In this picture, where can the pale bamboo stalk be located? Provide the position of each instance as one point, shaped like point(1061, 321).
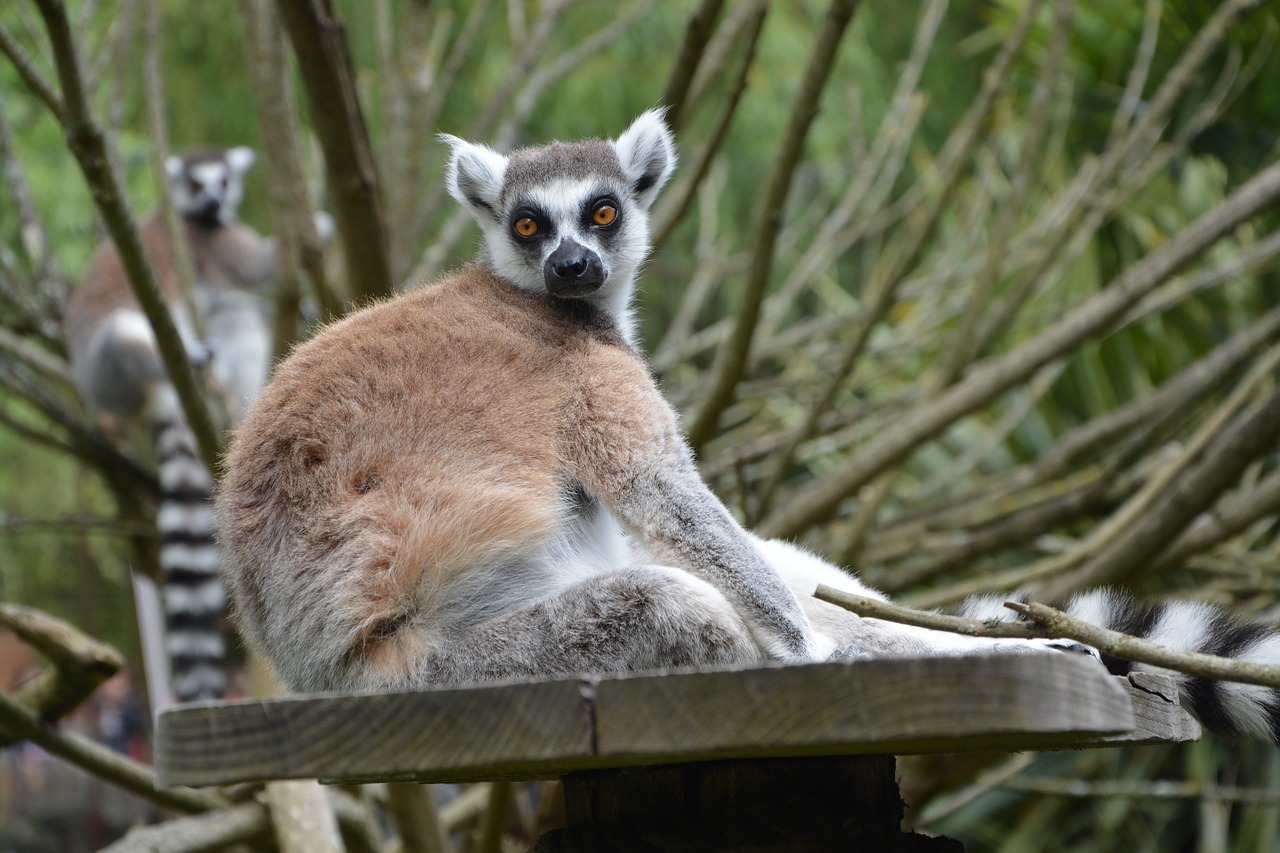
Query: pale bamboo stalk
point(413, 807)
point(302, 818)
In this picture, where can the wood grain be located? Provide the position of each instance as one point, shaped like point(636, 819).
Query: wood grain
point(479, 733)
point(547, 729)
point(869, 706)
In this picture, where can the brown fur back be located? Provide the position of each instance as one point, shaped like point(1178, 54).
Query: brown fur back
point(405, 445)
point(104, 287)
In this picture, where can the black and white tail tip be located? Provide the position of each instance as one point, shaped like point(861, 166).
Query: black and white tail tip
point(193, 593)
point(1228, 709)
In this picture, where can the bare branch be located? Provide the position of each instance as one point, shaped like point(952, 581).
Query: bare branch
point(731, 360)
point(30, 75)
point(900, 259)
point(674, 208)
point(102, 761)
point(697, 32)
point(86, 141)
point(1055, 623)
point(292, 210)
point(1049, 623)
point(994, 376)
point(79, 664)
point(208, 831)
point(319, 41)
point(1145, 534)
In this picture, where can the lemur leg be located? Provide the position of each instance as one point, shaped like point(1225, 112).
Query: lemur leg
point(633, 619)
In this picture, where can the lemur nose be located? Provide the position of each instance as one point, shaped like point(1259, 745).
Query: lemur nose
point(573, 270)
point(570, 267)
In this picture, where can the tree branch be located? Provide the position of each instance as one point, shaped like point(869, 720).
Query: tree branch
point(320, 44)
point(731, 360)
point(86, 141)
point(697, 32)
point(993, 377)
point(30, 75)
point(1049, 623)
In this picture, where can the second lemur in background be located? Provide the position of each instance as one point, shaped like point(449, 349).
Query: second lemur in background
point(117, 370)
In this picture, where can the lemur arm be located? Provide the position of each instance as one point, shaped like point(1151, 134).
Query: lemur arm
point(625, 447)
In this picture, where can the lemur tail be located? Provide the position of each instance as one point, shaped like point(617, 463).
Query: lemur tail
point(1229, 709)
point(193, 592)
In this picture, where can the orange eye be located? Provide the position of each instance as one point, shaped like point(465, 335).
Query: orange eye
point(526, 226)
point(604, 215)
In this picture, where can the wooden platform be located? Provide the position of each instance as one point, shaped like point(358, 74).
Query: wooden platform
point(548, 729)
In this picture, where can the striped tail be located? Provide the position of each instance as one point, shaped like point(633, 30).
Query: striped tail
point(1226, 708)
point(193, 594)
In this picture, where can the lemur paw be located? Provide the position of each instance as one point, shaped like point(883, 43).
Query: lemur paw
point(325, 228)
point(201, 353)
point(849, 653)
point(1065, 645)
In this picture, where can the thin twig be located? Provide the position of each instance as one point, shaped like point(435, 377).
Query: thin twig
point(698, 29)
point(991, 378)
point(26, 68)
point(320, 44)
point(1049, 623)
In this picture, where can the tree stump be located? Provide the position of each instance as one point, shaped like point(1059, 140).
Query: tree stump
point(774, 804)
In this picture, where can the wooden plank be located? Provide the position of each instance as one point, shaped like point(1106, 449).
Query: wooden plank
point(867, 706)
point(1158, 718)
point(455, 735)
point(547, 729)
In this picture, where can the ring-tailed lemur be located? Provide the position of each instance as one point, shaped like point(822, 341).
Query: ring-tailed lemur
point(118, 372)
point(481, 481)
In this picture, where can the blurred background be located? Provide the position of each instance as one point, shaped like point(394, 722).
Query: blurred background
point(968, 296)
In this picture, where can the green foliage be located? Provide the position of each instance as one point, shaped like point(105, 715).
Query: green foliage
point(977, 471)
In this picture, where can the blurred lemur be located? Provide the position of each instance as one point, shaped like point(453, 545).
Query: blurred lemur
point(480, 480)
point(117, 369)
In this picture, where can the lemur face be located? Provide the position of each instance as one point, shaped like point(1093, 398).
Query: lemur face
point(207, 186)
point(567, 219)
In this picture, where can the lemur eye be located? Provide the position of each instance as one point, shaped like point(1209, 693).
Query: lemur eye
point(193, 185)
point(526, 226)
point(604, 215)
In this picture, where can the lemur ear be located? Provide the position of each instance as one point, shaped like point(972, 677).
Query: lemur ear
point(241, 159)
point(173, 167)
point(647, 151)
point(474, 176)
